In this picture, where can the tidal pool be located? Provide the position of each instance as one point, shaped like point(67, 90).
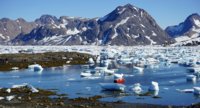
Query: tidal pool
point(67, 80)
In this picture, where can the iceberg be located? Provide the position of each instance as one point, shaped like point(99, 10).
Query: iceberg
point(192, 78)
point(196, 90)
point(136, 88)
point(33, 89)
point(154, 86)
point(112, 86)
point(9, 98)
point(36, 67)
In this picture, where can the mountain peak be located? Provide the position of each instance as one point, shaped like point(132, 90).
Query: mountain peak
point(194, 15)
point(188, 27)
point(46, 19)
point(191, 19)
point(127, 10)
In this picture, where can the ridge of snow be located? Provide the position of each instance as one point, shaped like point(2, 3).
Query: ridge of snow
point(182, 38)
point(1, 35)
point(118, 24)
point(72, 32)
point(135, 36)
point(142, 25)
point(195, 30)
point(152, 42)
point(128, 35)
point(80, 38)
point(141, 13)
point(67, 39)
point(84, 28)
point(197, 22)
point(135, 8)
point(153, 33)
point(120, 12)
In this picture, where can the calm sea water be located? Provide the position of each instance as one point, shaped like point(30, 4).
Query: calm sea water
point(67, 80)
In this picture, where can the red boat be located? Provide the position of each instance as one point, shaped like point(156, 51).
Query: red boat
point(121, 80)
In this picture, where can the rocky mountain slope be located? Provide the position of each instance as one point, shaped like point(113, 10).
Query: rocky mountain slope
point(9, 29)
point(187, 32)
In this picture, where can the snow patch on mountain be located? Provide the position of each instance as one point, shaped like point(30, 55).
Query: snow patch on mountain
point(153, 33)
point(84, 28)
point(1, 35)
point(142, 25)
point(118, 24)
point(152, 42)
point(135, 8)
point(72, 32)
point(197, 22)
point(120, 12)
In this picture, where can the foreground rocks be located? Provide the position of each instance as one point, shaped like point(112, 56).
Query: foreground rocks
point(49, 59)
point(25, 97)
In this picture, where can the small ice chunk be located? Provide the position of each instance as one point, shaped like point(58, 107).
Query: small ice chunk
point(191, 78)
point(8, 90)
point(196, 90)
point(91, 61)
point(33, 89)
point(136, 88)
point(172, 82)
point(186, 90)
point(20, 86)
point(1, 98)
point(88, 88)
point(9, 98)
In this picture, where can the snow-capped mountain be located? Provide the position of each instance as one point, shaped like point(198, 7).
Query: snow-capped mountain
point(126, 25)
point(129, 25)
point(187, 32)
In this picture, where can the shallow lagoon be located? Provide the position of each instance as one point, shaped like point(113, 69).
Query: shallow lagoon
point(67, 80)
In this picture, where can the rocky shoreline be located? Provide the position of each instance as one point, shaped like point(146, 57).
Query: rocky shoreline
point(25, 97)
point(48, 59)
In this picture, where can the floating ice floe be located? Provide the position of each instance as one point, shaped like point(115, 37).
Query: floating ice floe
point(33, 89)
point(154, 86)
point(196, 90)
point(109, 72)
point(138, 69)
point(86, 73)
point(192, 78)
point(186, 90)
point(112, 86)
point(136, 88)
point(36, 67)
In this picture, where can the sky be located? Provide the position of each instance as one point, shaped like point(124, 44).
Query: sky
point(165, 12)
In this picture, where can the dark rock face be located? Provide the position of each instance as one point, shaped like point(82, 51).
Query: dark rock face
point(126, 25)
point(186, 28)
